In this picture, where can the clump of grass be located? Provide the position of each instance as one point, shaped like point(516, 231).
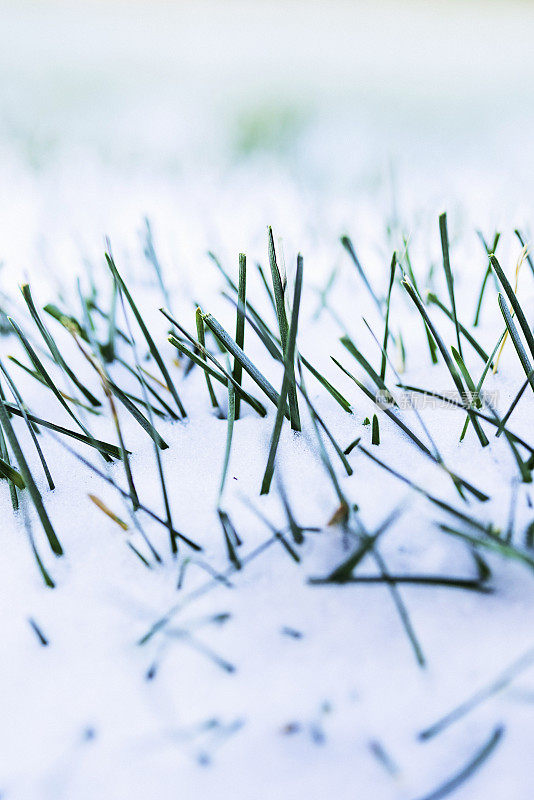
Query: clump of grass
point(107, 342)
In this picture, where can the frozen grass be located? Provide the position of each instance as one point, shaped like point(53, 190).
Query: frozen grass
point(278, 540)
point(411, 508)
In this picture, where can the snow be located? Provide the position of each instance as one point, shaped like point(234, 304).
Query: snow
point(111, 112)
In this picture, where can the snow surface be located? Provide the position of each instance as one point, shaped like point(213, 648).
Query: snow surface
point(108, 116)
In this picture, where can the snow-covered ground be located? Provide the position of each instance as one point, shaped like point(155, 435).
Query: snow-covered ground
point(216, 120)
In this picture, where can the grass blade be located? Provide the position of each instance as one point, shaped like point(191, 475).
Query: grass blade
point(386, 329)
point(201, 338)
point(518, 344)
point(168, 514)
point(470, 768)
point(10, 474)
point(224, 376)
point(20, 404)
point(102, 447)
point(448, 274)
point(238, 354)
point(38, 365)
point(479, 697)
point(58, 358)
point(377, 379)
point(240, 326)
point(288, 379)
point(432, 298)
point(514, 302)
point(446, 357)
point(338, 397)
point(487, 274)
point(279, 297)
point(149, 340)
point(523, 245)
point(34, 492)
point(349, 247)
point(229, 436)
point(124, 494)
point(375, 435)
point(4, 454)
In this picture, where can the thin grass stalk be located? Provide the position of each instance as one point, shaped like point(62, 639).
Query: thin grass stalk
point(288, 379)
point(240, 327)
point(279, 297)
point(149, 340)
point(34, 492)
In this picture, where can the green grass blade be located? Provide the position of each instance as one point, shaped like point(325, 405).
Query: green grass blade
point(167, 409)
point(108, 350)
point(387, 411)
point(431, 343)
point(34, 492)
point(487, 274)
point(493, 543)
point(516, 339)
point(288, 379)
point(279, 297)
point(388, 303)
point(514, 302)
point(432, 298)
point(137, 415)
point(149, 340)
point(377, 379)
point(446, 357)
point(240, 326)
point(375, 435)
point(4, 454)
point(338, 397)
point(469, 769)
point(278, 291)
point(223, 376)
point(38, 365)
point(229, 437)
point(202, 339)
point(479, 697)
point(231, 539)
point(522, 241)
point(151, 256)
point(168, 514)
point(514, 403)
point(448, 274)
point(102, 447)
point(20, 404)
point(349, 247)
point(124, 494)
point(50, 343)
point(238, 354)
point(10, 474)
point(344, 572)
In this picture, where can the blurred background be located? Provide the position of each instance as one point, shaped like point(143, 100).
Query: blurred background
point(417, 104)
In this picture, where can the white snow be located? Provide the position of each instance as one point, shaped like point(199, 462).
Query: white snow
point(109, 112)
